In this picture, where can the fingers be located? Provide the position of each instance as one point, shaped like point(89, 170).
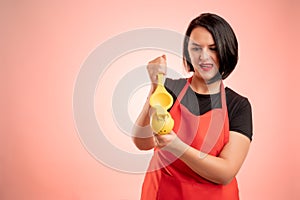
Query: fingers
point(170, 142)
point(160, 143)
point(162, 60)
point(157, 66)
point(164, 140)
point(157, 143)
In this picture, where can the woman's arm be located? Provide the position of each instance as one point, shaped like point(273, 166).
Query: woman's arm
point(142, 133)
point(221, 169)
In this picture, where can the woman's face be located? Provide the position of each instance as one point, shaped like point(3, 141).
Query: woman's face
point(203, 53)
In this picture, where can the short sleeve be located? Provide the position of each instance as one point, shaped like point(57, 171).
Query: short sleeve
point(241, 118)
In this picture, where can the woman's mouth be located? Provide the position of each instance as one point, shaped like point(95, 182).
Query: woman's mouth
point(206, 66)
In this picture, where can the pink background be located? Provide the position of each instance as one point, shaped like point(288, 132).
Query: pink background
point(44, 43)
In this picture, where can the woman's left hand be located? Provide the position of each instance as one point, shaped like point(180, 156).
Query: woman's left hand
point(171, 143)
point(163, 140)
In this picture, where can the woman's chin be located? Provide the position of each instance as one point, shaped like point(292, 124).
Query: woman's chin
point(205, 76)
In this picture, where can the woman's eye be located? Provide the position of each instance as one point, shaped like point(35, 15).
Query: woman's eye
point(195, 49)
point(213, 49)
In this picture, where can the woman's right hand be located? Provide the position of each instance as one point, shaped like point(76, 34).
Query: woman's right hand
point(155, 67)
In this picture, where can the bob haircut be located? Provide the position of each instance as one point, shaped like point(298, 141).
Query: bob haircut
point(225, 41)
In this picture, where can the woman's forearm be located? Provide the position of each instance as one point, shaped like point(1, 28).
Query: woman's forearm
point(221, 169)
point(212, 168)
point(142, 134)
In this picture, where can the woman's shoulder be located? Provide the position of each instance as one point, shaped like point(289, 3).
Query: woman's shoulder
point(175, 85)
point(169, 82)
point(233, 97)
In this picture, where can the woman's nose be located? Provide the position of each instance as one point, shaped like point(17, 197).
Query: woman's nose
point(204, 55)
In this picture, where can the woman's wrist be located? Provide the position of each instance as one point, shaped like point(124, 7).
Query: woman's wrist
point(152, 88)
point(142, 131)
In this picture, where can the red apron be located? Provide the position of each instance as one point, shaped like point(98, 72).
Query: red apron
point(169, 178)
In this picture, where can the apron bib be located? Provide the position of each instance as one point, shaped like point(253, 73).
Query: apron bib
point(169, 178)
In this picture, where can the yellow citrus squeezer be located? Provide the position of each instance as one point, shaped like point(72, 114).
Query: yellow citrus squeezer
point(161, 121)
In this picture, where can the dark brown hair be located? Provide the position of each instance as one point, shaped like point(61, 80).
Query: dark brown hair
point(224, 38)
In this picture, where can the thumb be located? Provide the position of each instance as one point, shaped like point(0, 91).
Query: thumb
point(163, 60)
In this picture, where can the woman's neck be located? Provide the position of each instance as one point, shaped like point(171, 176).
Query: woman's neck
point(200, 86)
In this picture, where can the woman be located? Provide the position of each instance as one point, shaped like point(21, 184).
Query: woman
point(200, 158)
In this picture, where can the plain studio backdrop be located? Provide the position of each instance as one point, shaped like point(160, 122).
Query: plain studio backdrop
point(43, 45)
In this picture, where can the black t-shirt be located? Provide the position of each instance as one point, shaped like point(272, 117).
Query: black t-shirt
point(239, 108)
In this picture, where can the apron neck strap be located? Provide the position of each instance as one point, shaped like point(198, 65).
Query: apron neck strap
point(188, 83)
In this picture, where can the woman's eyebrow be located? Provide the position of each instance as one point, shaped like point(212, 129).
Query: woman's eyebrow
point(195, 44)
point(210, 45)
